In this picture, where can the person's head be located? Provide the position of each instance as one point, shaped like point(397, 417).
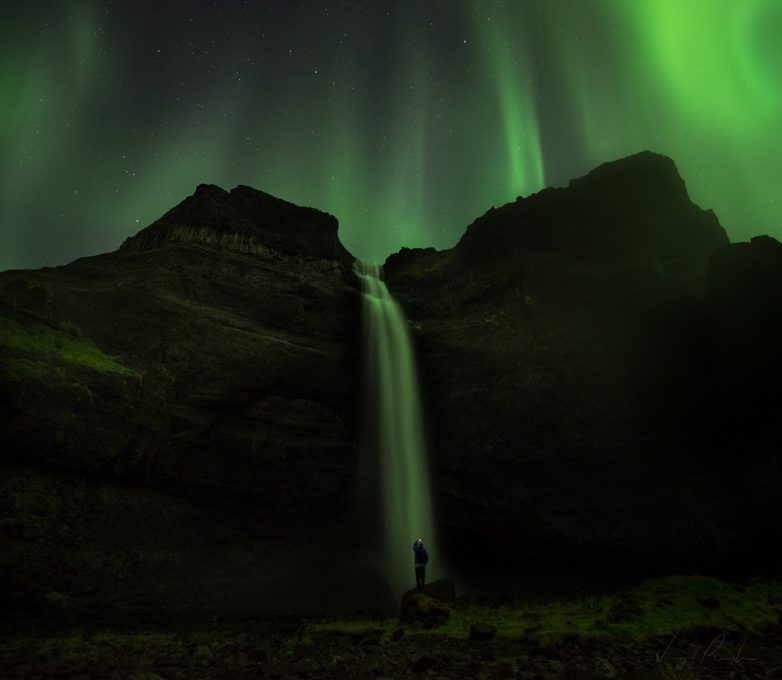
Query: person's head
point(420, 541)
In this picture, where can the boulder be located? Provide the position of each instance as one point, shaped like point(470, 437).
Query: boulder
point(423, 610)
point(441, 589)
point(482, 631)
point(421, 662)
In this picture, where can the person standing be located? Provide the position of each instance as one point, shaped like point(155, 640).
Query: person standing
point(421, 558)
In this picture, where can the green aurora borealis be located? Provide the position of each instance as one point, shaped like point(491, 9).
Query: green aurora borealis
point(404, 119)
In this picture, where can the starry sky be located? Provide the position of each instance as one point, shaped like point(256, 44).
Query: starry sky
point(406, 119)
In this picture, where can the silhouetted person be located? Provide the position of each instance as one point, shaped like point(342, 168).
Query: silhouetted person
point(421, 558)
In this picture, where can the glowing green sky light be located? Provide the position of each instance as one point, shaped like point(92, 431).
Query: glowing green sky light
point(699, 81)
point(405, 121)
point(509, 69)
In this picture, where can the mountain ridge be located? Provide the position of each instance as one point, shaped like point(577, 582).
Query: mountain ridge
point(246, 220)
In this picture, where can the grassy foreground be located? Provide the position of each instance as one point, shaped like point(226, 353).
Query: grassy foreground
point(656, 607)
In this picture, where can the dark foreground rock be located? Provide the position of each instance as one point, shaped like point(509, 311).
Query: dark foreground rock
point(424, 610)
point(441, 589)
point(482, 631)
point(429, 607)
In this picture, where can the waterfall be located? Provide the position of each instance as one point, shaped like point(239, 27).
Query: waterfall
point(397, 448)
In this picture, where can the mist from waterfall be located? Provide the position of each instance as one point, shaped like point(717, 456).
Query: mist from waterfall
point(395, 444)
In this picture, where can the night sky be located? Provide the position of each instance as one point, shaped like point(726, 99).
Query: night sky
point(404, 119)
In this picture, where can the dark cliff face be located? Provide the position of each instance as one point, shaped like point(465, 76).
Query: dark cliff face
point(600, 372)
point(211, 360)
point(744, 302)
point(577, 351)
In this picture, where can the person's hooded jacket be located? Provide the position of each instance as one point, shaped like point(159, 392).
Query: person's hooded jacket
point(421, 556)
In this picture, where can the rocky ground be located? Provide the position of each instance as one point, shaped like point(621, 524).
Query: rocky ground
point(676, 627)
point(287, 648)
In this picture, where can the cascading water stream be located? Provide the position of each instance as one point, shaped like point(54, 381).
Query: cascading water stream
point(393, 410)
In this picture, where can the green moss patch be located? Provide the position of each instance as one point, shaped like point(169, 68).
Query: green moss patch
point(656, 607)
point(34, 350)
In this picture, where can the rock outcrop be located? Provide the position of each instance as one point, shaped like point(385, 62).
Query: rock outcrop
point(247, 221)
point(634, 212)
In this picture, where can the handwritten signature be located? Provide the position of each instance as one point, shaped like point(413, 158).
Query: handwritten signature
point(710, 654)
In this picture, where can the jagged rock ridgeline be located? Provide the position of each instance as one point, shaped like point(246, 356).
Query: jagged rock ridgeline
point(590, 357)
point(248, 221)
point(635, 211)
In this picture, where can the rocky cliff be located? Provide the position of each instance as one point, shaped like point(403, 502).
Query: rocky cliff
point(199, 380)
point(601, 382)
